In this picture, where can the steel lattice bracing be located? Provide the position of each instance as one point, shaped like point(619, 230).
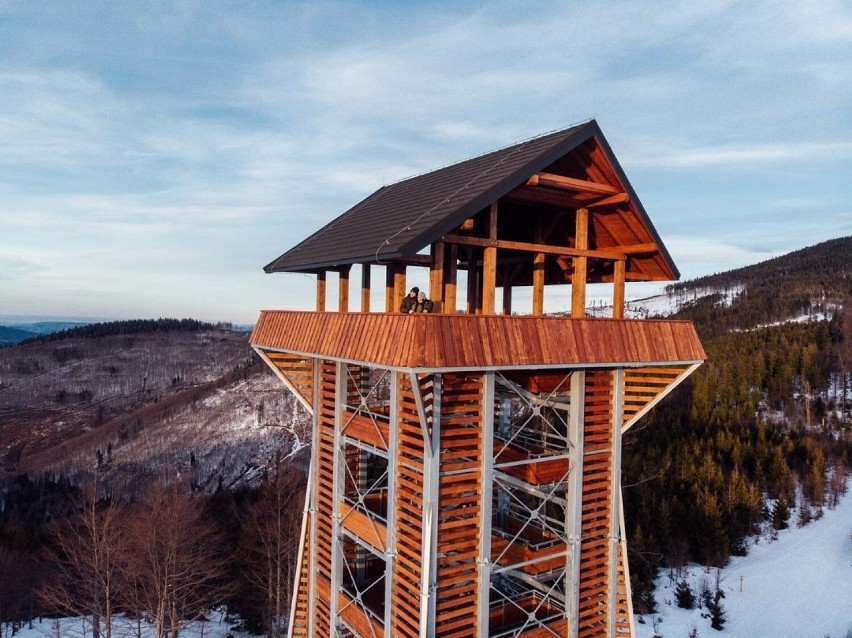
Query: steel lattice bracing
point(457, 503)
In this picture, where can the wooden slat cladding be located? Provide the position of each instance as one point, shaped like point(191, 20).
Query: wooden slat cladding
point(437, 341)
point(408, 518)
point(595, 550)
point(460, 505)
point(298, 370)
point(299, 622)
point(325, 506)
point(643, 385)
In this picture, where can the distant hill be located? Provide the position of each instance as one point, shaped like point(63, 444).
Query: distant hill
point(813, 282)
point(9, 335)
point(810, 284)
point(137, 395)
point(22, 331)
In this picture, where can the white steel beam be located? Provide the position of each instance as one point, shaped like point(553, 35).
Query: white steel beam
point(574, 495)
point(629, 594)
point(431, 481)
point(486, 482)
point(337, 496)
point(390, 551)
point(313, 489)
point(615, 504)
point(300, 555)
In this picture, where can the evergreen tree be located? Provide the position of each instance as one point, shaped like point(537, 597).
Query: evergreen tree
point(717, 611)
point(684, 595)
point(780, 514)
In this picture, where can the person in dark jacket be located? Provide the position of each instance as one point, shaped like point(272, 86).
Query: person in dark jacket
point(409, 302)
point(423, 304)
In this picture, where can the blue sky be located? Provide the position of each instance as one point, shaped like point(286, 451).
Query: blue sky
point(155, 156)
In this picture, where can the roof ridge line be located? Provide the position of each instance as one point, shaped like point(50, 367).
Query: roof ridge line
point(496, 150)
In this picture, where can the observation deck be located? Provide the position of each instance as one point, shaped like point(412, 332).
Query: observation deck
point(465, 475)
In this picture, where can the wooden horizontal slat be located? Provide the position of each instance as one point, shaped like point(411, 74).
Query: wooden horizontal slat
point(489, 341)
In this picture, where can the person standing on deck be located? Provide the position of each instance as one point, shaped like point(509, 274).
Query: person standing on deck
point(423, 304)
point(409, 302)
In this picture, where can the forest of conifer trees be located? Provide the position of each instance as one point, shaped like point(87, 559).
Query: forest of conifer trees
point(758, 432)
point(764, 425)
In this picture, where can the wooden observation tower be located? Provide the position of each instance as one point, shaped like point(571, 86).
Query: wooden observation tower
point(465, 471)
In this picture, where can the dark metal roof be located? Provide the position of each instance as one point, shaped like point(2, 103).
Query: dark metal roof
point(401, 219)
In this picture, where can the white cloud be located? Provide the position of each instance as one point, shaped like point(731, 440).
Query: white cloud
point(740, 156)
point(200, 141)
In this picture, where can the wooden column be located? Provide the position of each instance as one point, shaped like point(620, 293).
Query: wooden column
point(507, 298)
point(618, 289)
point(390, 304)
point(321, 291)
point(578, 279)
point(365, 288)
point(472, 282)
point(538, 284)
point(399, 288)
point(489, 264)
point(436, 275)
point(343, 289)
point(450, 279)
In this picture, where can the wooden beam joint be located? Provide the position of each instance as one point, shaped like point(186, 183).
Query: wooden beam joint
point(572, 184)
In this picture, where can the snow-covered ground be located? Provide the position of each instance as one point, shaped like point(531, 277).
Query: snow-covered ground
point(797, 586)
point(217, 626)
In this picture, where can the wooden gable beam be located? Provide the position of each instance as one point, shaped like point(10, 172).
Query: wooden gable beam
point(572, 184)
point(534, 248)
point(618, 198)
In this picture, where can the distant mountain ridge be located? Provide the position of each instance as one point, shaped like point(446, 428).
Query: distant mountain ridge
point(9, 335)
point(18, 332)
point(811, 283)
point(135, 395)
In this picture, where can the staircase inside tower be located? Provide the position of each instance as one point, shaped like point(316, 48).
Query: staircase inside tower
point(529, 525)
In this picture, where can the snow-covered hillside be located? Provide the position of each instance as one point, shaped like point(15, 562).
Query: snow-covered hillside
point(799, 585)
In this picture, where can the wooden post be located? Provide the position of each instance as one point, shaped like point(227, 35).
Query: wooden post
point(365, 287)
point(436, 275)
point(343, 289)
point(489, 264)
point(451, 279)
point(618, 289)
point(538, 284)
point(399, 288)
point(473, 281)
point(578, 279)
point(321, 291)
point(507, 298)
point(390, 281)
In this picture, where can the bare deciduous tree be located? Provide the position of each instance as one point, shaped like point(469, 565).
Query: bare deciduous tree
point(88, 558)
point(271, 539)
point(176, 561)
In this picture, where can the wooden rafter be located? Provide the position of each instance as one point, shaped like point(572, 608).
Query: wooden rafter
point(618, 198)
point(572, 184)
